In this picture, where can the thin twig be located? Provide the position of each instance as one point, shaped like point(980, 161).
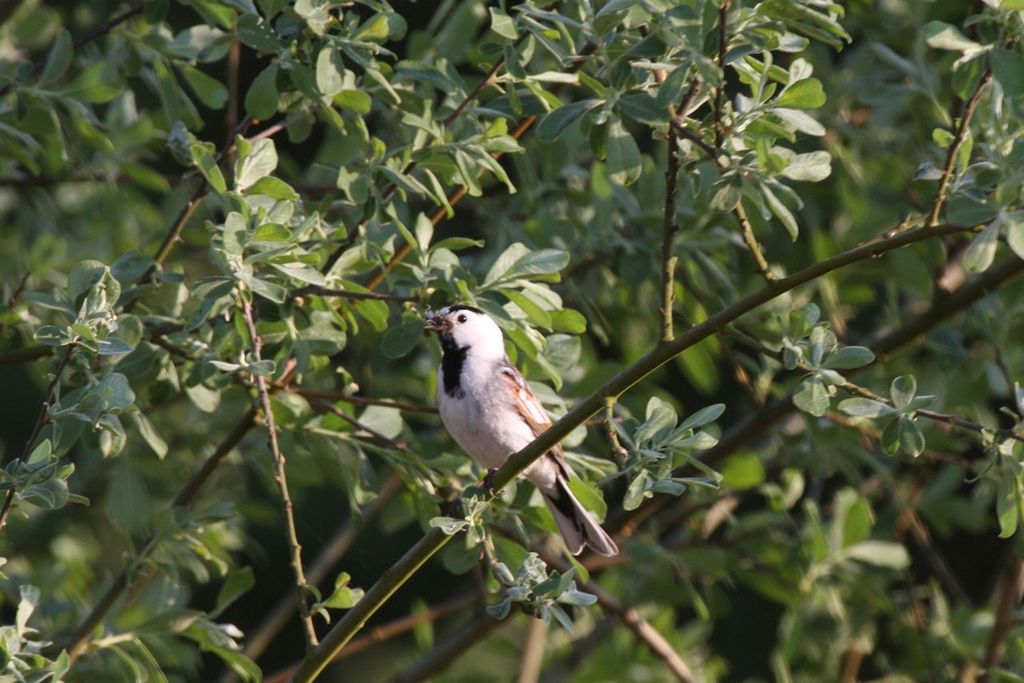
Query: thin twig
point(281, 479)
point(1008, 598)
point(669, 229)
point(98, 32)
point(41, 421)
point(756, 251)
point(347, 294)
point(631, 619)
point(619, 454)
point(472, 632)
point(942, 193)
point(184, 499)
point(723, 39)
point(328, 395)
point(532, 660)
point(330, 553)
point(392, 629)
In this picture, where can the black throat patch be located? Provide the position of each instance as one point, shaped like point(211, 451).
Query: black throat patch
point(451, 365)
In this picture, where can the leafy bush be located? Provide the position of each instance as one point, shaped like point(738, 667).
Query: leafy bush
point(711, 231)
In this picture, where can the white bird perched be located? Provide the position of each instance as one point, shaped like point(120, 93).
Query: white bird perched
point(490, 411)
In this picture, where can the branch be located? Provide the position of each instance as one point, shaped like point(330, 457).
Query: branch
point(532, 660)
point(347, 294)
point(444, 654)
point(280, 478)
point(631, 619)
point(435, 539)
point(1008, 596)
point(330, 553)
point(669, 229)
point(958, 140)
point(98, 32)
point(723, 38)
point(359, 400)
point(184, 499)
point(756, 251)
point(390, 630)
point(41, 421)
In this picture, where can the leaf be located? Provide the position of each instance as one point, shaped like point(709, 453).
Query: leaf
point(660, 417)
point(704, 416)
point(26, 606)
point(879, 553)
point(812, 397)
point(517, 261)
point(534, 313)
point(805, 94)
point(330, 71)
point(554, 123)
point(638, 490)
point(257, 164)
point(1014, 225)
point(911, 439)
point(203, 158)
point(865, 407)
point(624, 161)
point(96, 84)
point(982, 250)
point(781, 212)
point(402, 338)
point(237, 584)
point(1008, 499)
point(58, 60)
point(355, 101)
point(590, 496)
point(114, 392)
point(742, 471)
point(902, 391)
point(1008, 68)
point(261, 98)
point(850, 357)
point(210, 91)
point(800, 121)
point(503, 24)
point(812, 167)
point(943, 36)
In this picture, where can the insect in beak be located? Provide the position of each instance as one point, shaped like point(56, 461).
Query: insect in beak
point(436, 323)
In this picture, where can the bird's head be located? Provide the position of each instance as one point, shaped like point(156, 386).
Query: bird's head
point(466, 327)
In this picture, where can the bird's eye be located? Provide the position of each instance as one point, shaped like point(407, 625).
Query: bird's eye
point(462, 318)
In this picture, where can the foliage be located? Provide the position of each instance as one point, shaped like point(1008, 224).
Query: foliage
point(224, 218)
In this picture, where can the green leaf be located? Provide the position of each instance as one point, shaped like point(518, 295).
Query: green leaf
point(590, 496)
point(517, 261)
point(805, 94)
point(638, 490)
point(1008, 503)
point(911, 439)
point(812, 397)
point(943, 36)
point(982, 250)
point(704, 416)
point(274, 188)
point(237, 584)
point(880, 554)
point(330, 71)
point(257, 164)
point(1014, 225)
point(210, 91)
point(742, 471)
point(355, 101)
point(865, 407)
point(902, 391)
point(59, 58)
point(624, 161)
point(659, 417)
point(261, 98)
point(402, 338)
point(850, 357)
point(1008, 68)
point(203, 158)
point(781, 212)
point(554, 123)
point(503, 24)
point(96, 84)
point(569, 321)
point(812, 167)
point(534, 313)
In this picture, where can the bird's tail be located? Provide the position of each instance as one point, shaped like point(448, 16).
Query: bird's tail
point(577, 525)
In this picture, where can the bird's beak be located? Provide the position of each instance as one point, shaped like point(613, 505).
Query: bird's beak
point(436, 323)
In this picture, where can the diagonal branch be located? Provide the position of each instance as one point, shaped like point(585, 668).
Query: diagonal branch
point(435, 539)
point(280, 478)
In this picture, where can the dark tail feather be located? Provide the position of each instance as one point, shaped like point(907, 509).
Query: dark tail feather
point(577, 525)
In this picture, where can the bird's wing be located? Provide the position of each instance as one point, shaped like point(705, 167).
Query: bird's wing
point(530, 409)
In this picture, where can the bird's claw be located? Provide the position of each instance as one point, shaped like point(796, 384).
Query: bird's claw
point(453, 508)
point(489, 480)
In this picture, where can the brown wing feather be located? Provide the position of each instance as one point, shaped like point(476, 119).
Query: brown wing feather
point(532, 411)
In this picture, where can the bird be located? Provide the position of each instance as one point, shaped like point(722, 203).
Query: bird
point(491, 412)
